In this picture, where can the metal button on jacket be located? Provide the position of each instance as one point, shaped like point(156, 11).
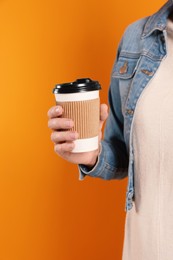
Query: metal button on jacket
point(130, 111)
point(147, 72)
point(124, 68)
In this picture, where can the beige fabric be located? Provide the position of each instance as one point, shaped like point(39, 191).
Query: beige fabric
point(149, 224)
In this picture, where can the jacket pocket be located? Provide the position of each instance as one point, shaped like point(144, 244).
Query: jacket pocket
point(125, 71)
point(125, 67)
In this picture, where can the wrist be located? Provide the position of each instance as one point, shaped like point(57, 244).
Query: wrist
point(94, 159)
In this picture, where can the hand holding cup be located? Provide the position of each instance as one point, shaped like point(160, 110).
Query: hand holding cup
point(77, 120)
point(63, 138)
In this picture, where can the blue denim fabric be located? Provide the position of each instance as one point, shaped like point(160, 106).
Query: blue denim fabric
point(140, 52)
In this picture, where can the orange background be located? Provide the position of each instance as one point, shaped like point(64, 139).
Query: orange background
point(46, 213)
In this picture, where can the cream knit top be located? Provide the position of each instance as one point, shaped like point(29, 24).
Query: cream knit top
point(149, 224)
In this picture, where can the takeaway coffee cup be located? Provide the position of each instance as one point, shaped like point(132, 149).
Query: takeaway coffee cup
point(81, 103)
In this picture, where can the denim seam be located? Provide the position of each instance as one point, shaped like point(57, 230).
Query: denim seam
point(143, 53)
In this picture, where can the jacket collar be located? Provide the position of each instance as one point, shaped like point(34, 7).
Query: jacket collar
point(158, 20)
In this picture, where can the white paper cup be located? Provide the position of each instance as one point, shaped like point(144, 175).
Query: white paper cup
point(81, 103)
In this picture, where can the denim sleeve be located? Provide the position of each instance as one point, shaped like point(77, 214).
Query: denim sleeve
point(112, 161)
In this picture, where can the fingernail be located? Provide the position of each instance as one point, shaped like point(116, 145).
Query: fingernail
point(69, 123)
point(57, 110)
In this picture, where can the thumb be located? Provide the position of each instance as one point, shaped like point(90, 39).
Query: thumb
point(103, 114)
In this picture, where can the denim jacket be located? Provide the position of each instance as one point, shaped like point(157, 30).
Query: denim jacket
point(141, 50)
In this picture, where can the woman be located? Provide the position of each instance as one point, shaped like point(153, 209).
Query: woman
point(138, 137)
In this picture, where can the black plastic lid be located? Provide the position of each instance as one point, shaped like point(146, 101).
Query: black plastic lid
point(80, 85)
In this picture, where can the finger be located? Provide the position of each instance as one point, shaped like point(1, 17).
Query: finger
point(64, 147)
point(103, 114)
point(63, 136)
point(100, 136)
point(55, 111)
point(60, 123)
